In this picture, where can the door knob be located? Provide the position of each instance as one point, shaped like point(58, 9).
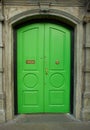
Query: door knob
point(46, 70)
point(57, 62)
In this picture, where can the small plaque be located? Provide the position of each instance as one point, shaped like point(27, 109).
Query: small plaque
point(30, 61)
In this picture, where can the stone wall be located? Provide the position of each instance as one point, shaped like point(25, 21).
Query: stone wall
point(52, 2)
point(2, 99)
point(86, 94)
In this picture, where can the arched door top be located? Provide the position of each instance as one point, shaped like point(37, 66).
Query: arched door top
point(51, 14)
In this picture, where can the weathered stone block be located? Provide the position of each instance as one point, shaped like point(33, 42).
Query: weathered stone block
point(88, 33)
point(0, 57)
point(2, 112)
point(87, 60)
point(61, 2)
point(0, 81)
point(2, 116)
point(87, 101)
point(1, 104)
point(2, 101)
point(86, 114)
point(87, 82)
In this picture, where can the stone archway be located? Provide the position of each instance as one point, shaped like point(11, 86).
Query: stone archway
point(59, 16)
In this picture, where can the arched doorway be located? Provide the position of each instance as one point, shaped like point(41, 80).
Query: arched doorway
point(58, 17)
point(43, 68)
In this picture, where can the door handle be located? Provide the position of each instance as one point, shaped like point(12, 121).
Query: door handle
point(46, 70)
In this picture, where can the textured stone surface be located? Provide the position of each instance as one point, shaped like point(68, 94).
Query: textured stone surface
point(87, 82)
point(1, 104)
point(88, 33)
point(60, 2)
point(2, 112)
point(45, 122)
point(2, 116)
point(85, 114)
point(87, 59)
point(86, 99)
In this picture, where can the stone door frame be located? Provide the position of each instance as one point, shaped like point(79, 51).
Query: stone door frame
point(78, 55)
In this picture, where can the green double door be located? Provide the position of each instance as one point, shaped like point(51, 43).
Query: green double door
point(43, 68)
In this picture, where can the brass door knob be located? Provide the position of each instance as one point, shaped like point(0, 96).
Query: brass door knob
point(57, 62)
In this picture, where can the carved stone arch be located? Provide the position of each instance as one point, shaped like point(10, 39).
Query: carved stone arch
point(37, 13)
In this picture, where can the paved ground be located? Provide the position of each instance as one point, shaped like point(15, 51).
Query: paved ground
point(45, 122)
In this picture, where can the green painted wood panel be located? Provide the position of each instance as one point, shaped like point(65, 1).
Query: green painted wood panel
point(43, 74)
point(30, 75)
point(57, 60)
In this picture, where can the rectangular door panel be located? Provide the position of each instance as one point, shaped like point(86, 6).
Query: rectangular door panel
point(30, 49)
point(56, 45)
